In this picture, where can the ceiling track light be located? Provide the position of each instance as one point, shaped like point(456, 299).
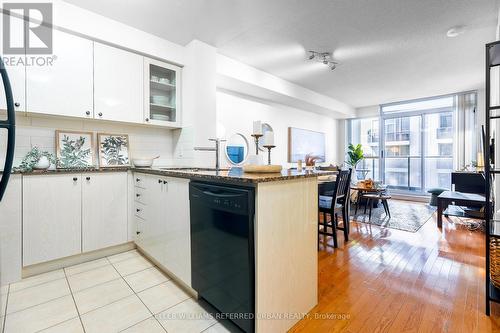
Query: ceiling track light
point(324, 57)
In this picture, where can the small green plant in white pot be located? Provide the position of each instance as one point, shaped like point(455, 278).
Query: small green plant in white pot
point(36, 159)
point(354, 156)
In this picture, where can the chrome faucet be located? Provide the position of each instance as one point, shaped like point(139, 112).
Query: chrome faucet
point(216, 149)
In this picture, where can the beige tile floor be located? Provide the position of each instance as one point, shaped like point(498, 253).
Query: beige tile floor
point(121, 293)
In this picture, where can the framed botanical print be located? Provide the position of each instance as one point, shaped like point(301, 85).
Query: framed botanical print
point(74, 149)
point(113, 150)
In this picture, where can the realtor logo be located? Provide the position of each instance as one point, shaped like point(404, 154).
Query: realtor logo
point(34, 34)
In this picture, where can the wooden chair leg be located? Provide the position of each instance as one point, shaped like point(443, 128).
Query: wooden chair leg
point(325, 226)
point(357, 205)
point(319, 222)
point(386, 205)
point(334, 231)
point(345, 217)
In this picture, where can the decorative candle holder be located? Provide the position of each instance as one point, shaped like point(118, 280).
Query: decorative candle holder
point(257, 138)
point(269, 147)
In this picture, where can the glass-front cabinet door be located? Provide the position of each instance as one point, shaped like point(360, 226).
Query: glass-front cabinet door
point(162, 92)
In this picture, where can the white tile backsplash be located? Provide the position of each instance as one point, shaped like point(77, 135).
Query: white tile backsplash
point(145, 141)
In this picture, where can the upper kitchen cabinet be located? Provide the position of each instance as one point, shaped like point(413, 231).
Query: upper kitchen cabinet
point(14, 63)
point(162, 93)
point(118, 84)
point(64, 88)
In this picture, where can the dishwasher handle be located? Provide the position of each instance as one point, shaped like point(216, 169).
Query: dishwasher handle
point(223, 198)
point(222, 195)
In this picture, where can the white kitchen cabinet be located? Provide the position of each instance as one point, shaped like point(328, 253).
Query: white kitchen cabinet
point(104, 210)
point(11, 232)
point(177, 236)
point(51, 217)
point(64, 88)
point(155, 219)
point(118, 84)
point(162, 93)
point(164, 224)
point(14, 65)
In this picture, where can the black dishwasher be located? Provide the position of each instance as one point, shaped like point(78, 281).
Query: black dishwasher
point(222, 249)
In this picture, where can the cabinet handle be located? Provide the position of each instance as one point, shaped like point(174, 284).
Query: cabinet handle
point(165, 182)
point(100, 114)
point(147, 119)
point(137, 180)
point(75, 179)
point(88, 178)
point(137, 195)
point(138, 210)
point(17, 104)
point(87, 113)
point(137, 232)
point(159, 181)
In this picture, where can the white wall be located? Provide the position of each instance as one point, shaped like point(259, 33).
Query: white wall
point(368, 111)
point(236, 113)
point(199, 111)
point(236, 76)
point(40, 131)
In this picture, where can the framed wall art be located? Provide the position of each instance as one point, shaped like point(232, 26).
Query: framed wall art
point(113, 150)
point(74, 149)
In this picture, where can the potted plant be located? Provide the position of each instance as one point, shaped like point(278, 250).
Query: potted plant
point(37, 159)
point(354, 155)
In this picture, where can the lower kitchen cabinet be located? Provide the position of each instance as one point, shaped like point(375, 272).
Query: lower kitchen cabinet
point(163, 223)
point(52, 212)
point(66, 214)
point(104, 210)
point(10, 232)
point(178, 238)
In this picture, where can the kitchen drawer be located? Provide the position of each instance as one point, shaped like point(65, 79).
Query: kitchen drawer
point(140, 180)
point(140, 210)
point(140, 195)
point(140, 225)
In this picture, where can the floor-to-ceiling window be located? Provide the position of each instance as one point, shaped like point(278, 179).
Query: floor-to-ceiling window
point(365, 131)
point(411, 145)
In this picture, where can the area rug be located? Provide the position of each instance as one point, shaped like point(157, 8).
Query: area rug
point(405, 215)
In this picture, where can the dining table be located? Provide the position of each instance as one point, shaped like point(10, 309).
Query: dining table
point(360, 189)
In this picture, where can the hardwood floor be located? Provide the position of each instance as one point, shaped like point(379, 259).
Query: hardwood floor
point(386, 280)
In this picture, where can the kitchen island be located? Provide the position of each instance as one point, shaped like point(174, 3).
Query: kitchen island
point(150, 209)
point(284, 239)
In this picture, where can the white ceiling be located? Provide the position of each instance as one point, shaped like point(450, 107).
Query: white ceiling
point(388, 50)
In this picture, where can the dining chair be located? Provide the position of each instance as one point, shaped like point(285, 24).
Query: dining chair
point(334, 199)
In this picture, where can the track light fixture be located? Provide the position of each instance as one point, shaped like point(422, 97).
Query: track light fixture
point(325, 57)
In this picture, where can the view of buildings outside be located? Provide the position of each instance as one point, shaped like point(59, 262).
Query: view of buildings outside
point(366, 132)
point(404, 151)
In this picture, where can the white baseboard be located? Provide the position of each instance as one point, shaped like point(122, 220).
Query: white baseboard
point(48, 266)
point(179, 282)
point(406, 197)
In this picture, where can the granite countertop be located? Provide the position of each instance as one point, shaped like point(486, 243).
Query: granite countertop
point(74, 170)
point(233, 175)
